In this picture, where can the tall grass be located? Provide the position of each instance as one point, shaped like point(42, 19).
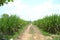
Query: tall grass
point(49, 24)
point(9, 25)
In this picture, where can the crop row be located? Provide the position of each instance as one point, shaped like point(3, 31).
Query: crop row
point(50, 24)
point(9, 25)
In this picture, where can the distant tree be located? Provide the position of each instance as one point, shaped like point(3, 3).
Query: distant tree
point(5, 1)
point(5, 15)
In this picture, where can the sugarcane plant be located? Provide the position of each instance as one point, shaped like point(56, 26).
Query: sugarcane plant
point(49, 24)
point(9, 25)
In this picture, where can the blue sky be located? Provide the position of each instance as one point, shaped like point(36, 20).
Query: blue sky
point(31, 9)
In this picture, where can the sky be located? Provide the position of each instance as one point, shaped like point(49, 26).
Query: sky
point(31, 9)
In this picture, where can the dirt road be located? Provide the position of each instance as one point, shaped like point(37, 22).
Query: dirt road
point(32, 33)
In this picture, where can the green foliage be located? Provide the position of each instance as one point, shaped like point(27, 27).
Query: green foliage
point(5, 1)
point(9, 25)
point(49, 24)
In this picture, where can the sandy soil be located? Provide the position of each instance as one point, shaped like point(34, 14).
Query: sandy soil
point(32, 33)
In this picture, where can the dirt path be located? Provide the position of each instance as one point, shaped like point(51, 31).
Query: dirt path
point(32, 33)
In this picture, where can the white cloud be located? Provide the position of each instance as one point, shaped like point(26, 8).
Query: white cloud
point(42, 10)
point(32, 13)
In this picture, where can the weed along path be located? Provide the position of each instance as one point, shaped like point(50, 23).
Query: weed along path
point(32, 33)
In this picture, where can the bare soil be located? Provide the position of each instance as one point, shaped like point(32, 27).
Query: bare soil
point(32, 33)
